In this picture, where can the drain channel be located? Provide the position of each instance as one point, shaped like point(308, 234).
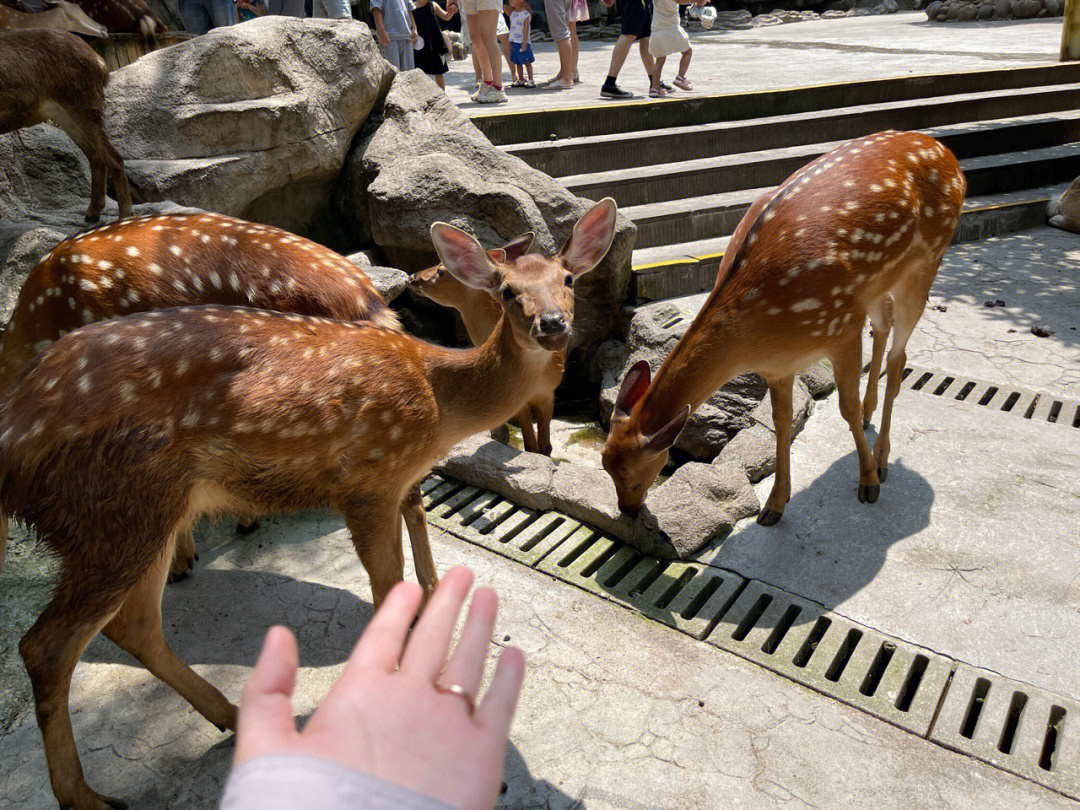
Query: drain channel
point(1013, 726)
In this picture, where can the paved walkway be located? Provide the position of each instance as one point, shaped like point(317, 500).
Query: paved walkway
point(795, 54)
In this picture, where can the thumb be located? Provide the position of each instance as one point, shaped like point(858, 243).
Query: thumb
point(265, 723)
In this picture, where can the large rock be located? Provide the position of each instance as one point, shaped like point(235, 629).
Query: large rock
point(253, 120)
point(753, 450)
point(44, 178)
point(426, 162)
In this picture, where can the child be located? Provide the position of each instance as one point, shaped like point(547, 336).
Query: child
point(668, 37)
point(432, 56)
point(397, 31)
point(521, 54)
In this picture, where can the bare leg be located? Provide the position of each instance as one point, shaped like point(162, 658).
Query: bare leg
point(504, 47)
point(649, 63)
point(485, 49)
point(780, 394)
point(575, 50)
point(412, 509)
point(566, 70)
point(619, 54)
point(847, 366)
point(684, 62)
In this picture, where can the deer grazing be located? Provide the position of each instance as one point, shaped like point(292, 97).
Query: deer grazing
point(155, 262)
point(859, 231)
point(481, 314)
point(55, 75)
point(124, 431)
point(60, 15)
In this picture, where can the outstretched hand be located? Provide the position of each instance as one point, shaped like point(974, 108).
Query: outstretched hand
point(389, 714)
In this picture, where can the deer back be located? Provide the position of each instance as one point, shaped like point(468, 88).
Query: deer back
point(124, 16)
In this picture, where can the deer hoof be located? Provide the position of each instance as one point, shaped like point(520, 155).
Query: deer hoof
point(246, 528)
point(882, 474)
point(869, 494)
point(768, 517)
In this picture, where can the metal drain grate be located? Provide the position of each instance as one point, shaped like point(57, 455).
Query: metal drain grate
point(1016, 727)
point(1038, 407)
point(886, 677)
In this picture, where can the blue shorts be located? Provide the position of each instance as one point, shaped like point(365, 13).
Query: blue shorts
point(519, 56)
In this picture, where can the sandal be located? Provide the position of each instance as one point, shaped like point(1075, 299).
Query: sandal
point(530, 84)
point(683, 83)
point(657, 92)
point(518, 83)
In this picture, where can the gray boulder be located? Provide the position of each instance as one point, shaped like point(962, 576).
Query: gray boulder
point(753, 450)
point(426, 162)
point(253, 120)
point(20, 251)
point(44, 178)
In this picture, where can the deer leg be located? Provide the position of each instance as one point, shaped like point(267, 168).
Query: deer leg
point(543, 409)
point(412, 509)
point(98, 177)
point(184, 557)
point(528, 436)
point(115, 164)
point(847, 367)
point(780, 394)
point(880, 321)
point(136, 628)
point(3, 540)
point(909, 300)
point(376, 533)
point(50, 649)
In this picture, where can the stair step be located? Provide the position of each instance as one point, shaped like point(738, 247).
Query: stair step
point(689, 268)
point(712, 215)
point(505, 128)
point(576, 156)
point(659, 183)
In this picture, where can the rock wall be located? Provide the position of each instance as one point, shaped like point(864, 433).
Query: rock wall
point(968, 10)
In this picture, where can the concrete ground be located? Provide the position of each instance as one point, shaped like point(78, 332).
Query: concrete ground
point(791, 55)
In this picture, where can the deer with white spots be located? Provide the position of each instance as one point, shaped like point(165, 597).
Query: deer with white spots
point(860, 231)
point(55, 75)
point(59, 15)
point(125, 17)
point(123, 432)
point(173, 260)
point(480, 314)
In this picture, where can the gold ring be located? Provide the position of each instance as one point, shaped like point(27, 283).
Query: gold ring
point(460, 691)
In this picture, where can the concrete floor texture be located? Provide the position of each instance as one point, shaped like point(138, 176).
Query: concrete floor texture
point(972, 552)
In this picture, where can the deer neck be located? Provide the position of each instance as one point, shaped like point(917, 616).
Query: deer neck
point(479, 389)
point(705, 358)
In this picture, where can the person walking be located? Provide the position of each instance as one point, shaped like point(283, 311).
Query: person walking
point(558, 20)
point(636, 27)
point(396, 31)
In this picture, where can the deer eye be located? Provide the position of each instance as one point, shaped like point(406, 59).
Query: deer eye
point(569, 281)
point(507, 293)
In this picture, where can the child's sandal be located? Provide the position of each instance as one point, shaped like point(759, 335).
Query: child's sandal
point(683, 83)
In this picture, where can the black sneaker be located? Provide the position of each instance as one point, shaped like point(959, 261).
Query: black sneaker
point(614, 91)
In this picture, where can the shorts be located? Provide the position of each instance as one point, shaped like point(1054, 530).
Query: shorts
point(476, 6)
point(399, 53)
point(637, 19)
point(558, 19)
point(519, 56)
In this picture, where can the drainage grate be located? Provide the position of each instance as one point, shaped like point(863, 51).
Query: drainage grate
point(1016, 727)
point(1038, 407)
point(886, 677)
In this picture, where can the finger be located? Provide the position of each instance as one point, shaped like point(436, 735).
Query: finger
point(425, 655)
point(466, 667)
point(381, 642)
point(266, 719)
point(496, 712)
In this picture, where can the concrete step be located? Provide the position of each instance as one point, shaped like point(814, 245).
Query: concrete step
point(609, 118)
point(688, 268)
point(603, 153)
point(713, 215)
point(660, 183)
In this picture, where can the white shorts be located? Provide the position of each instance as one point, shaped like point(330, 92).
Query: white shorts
point(476, 6)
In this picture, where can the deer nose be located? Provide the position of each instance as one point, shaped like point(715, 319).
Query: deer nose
point(552, 324)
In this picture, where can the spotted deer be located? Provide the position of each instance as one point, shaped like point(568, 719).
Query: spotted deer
point(156, 262)
point(859, 231)
point(481, 314)
point(60, 15)
point(125, 17)
point(124, 431)
point(55, 75)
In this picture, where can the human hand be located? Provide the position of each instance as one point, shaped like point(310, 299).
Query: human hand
point(384, 40)
point(386, 715)
point(413, 36)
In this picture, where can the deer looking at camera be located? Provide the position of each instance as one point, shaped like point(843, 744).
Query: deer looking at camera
point(481, 314)
point(59, 15)
point(55, 75)
point(859, 231)
point(123, 432)
point(173, 260)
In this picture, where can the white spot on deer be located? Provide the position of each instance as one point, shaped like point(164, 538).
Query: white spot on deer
point(87, 284)
point(71, 303)
point(805, 305)
point(87, 316)
point(234, 282)
point(774, 310)
point(84, 383)
point(175, 250)
point(928, 211)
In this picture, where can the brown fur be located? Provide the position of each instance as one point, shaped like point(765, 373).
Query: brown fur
point(55, 75)
point(125, 17)
point(60, 16)
point(860, 231)
point(130, 266)
point(121, 433)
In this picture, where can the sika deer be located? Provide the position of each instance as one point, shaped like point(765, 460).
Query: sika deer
point(123, 432)
point(125, 17)
point(54, 74)
point(156, 262)
point(861, 230)
point(481, 314)
point(59, 16)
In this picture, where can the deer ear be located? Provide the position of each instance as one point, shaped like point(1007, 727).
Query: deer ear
point(463, 257)
point(498, 255)
point(591, 239)
point(666, 436)
point(519, 246)
point(634, 386)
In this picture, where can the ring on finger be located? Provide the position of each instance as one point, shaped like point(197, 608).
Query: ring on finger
point(460, 691)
